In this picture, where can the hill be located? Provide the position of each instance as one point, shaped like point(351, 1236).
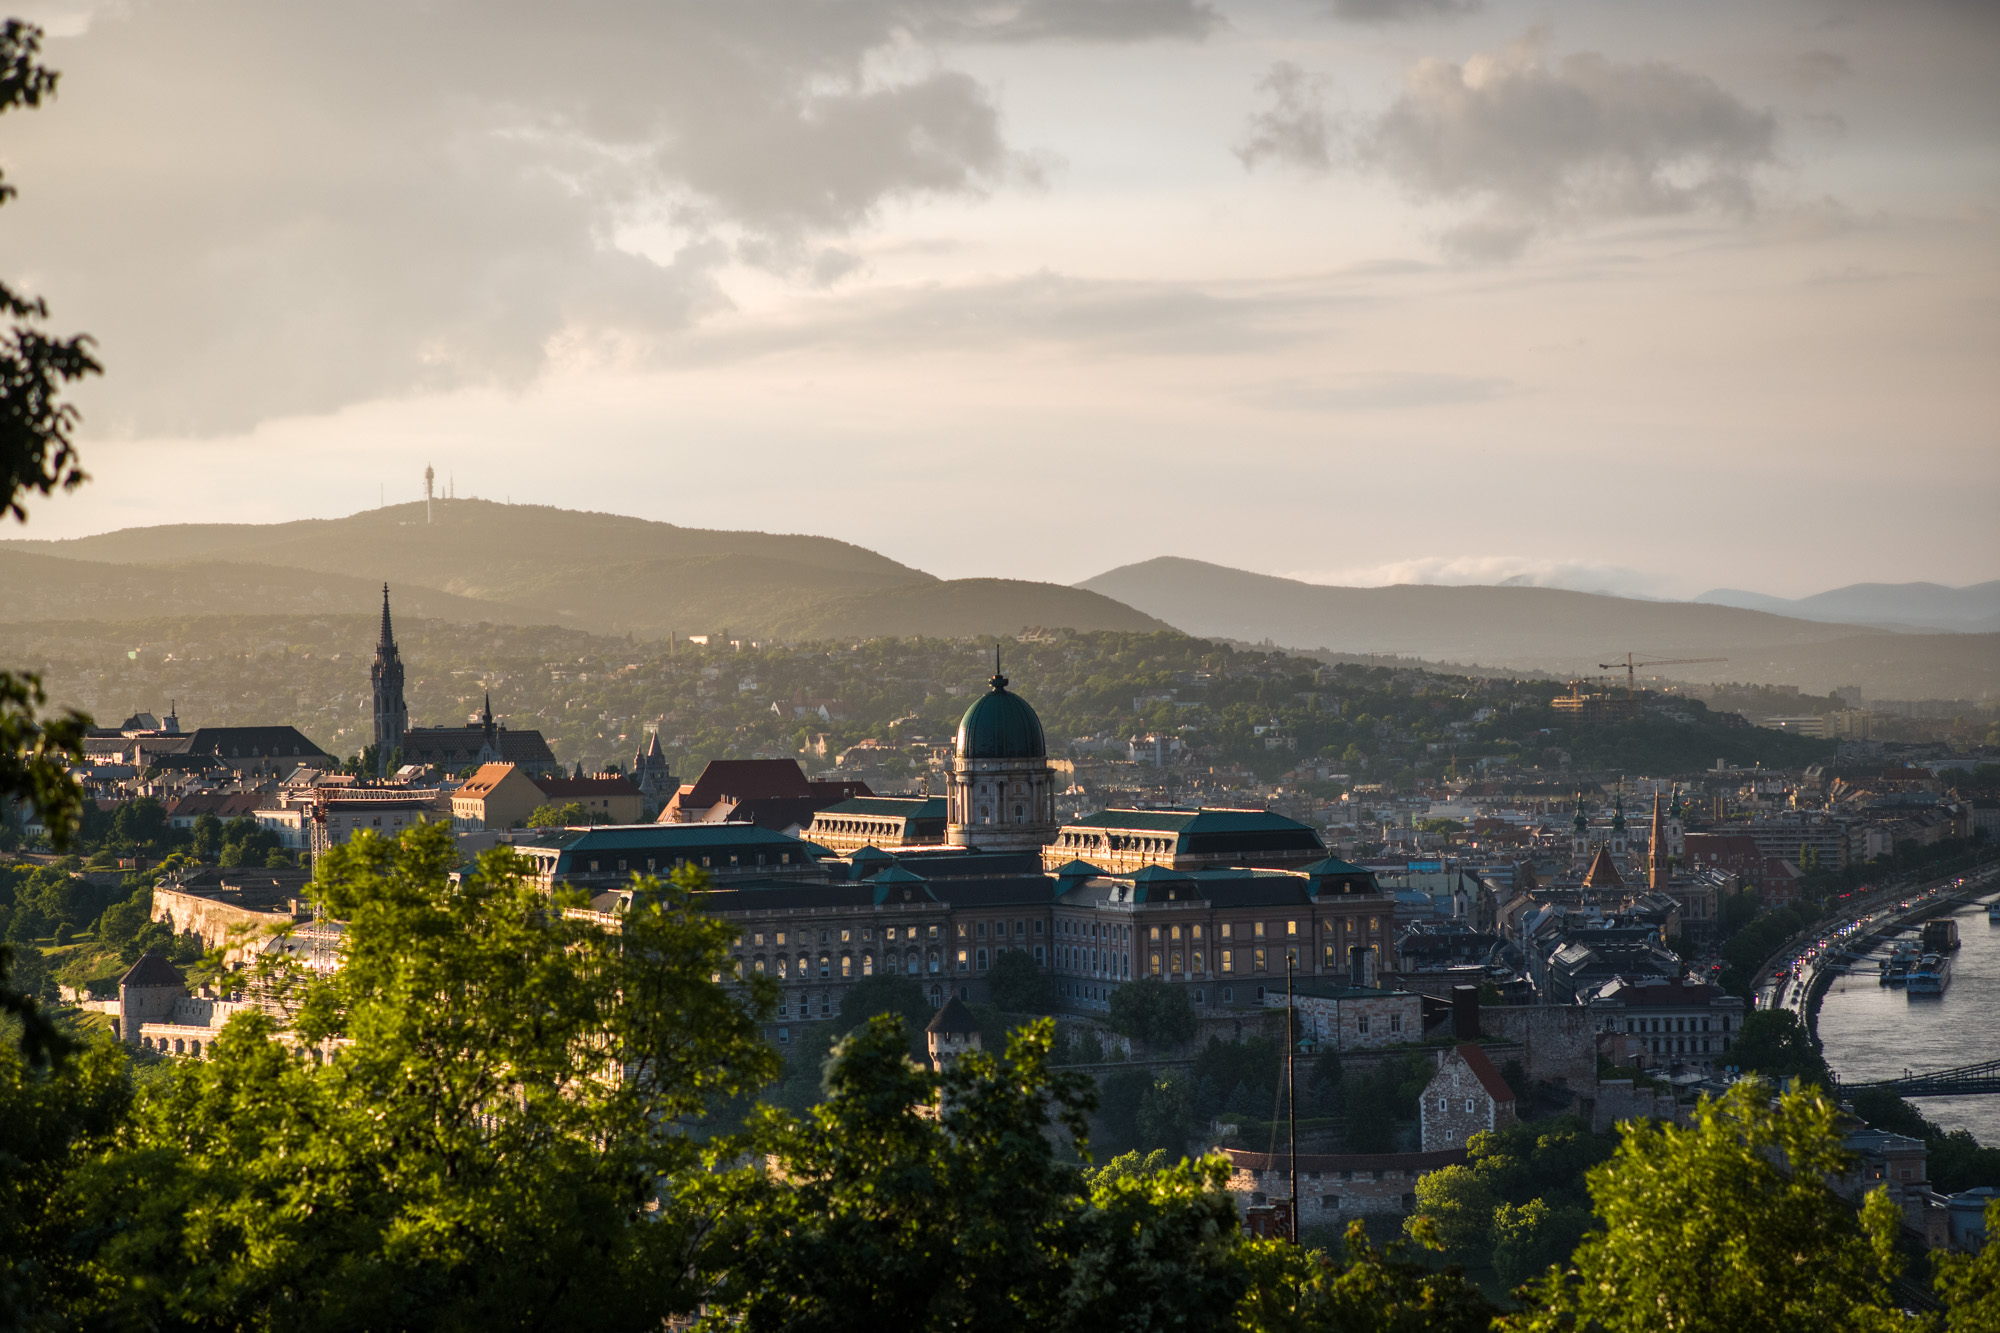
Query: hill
point(1552, 629)
point(476, 560)
point(1902, 606)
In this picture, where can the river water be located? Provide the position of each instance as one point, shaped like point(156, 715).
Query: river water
point(1871, 1031)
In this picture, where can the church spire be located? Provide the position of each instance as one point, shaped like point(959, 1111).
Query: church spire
point(388, 639)
point(1656, 872)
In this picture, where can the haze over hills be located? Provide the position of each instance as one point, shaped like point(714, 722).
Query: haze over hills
point(529, 564)
point(1553, 629)
point(1969, 610)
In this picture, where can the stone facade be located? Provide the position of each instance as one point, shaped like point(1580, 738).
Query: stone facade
point(1466, 1096)
point(237, 918)
point(1559, 1042)
point(1335, 1188)
point(1346, 1019)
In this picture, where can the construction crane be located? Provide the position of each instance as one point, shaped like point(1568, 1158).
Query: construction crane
point(1632, 668)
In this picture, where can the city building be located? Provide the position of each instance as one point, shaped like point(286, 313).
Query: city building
point(1001, 790)
point(1466, 1096)
point(496, 796)
point(447, 749)
point(1122, 841)
point(1654, 1020)
point(880, 821)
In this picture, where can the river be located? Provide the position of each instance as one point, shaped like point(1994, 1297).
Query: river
point(1872, 1031)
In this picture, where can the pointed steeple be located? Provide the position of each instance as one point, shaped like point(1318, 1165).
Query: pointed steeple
point(486, 713)
point(653, 750)
point(1582, 821)
point(1656, 869)
point(1618, 815)
point(998, 682)
point(388, 639)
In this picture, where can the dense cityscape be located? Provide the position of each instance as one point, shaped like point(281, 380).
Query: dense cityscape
point(1153, 665)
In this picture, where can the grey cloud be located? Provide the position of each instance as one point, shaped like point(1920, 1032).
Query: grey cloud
point(1293, 131)
point(1534, 145)
point(1401, 11)
point(1815, 69)
point(263, 210)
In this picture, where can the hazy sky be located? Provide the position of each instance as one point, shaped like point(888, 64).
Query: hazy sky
point(1647, 296)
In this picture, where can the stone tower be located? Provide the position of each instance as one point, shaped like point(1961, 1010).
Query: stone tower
point(392, 715)
point(1001, 794)
point(1579, 836)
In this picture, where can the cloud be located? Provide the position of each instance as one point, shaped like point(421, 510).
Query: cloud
point(1530, 145)
point(1490, 571)
point(1293, 131)
point(264, 210)
point(1090, 316)
point(1810, 70)
point(1381, 392)
point(1401, 11)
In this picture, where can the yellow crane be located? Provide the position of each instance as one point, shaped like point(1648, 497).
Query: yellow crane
point(1632, 668)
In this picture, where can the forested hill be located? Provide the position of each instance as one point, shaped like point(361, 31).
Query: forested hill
point(1555, 630)
point(593, 696)
point(530, 564)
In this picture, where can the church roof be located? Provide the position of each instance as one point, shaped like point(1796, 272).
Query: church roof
point(1603, 872)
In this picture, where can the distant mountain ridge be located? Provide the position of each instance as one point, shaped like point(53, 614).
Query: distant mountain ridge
point(1902, 606)
point(1553, 629)
point(531, 564)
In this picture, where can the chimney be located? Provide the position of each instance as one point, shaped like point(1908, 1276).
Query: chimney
point(1465, 1013)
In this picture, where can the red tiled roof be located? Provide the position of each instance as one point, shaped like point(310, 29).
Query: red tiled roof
point(1489, 1077)
point(1603, 872)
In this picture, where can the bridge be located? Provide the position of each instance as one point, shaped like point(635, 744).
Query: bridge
point(1964, 1081)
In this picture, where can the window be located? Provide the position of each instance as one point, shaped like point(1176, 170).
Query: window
point(964, 931)
point(1258, 930)
point(1225, 929)
point(1228, 960)
point(1174, 933)
point(934, 932)
point(1039, 960)
point(825, 965)
point(1443, 1104)
point(758, 939)
point(1468, 1103)
point(1260, 965)
point(1331, 957)
point(1154, 934)
point(982, 930)
point(1156, 962)
point(982, 960)
point(784, 1034)
point(867, 964)
point(1195, 933)
point(1371, 924)
point(961, 960)
point(1395, 1022)
point(1038, 930)
point(1200, 997)
point(1361, 1024)
point(1291, 928)
point(1197, 962)
point(846, 937)
point(781, 937)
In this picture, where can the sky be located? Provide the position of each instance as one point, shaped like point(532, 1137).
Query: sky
point(1641, 297)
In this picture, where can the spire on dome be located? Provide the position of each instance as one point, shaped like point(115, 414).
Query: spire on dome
point(1618, 813)
point(1582, 821)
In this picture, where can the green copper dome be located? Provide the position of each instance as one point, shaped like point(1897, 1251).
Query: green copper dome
point(1000, 725)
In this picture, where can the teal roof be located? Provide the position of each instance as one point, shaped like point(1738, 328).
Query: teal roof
point(1076, 869)
point(1333, 865)
point(1187, 821)
point(896, 807)
point(1161, 875)
point(1000, 725)
point(897, 875)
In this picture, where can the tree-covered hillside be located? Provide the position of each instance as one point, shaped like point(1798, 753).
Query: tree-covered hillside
point(594, 696)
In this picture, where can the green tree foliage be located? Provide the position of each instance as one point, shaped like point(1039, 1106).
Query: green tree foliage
point(1381, 1098)
point(1153, 1012)
point(1957, 1160)
point(1728, 1224)
point(501, 1106)
point(881, 1213)
point(1380, 1291)
point(1969, 1284)
point(52, 1109)
point(566, 814)
point(1775, 1043)
point(36, 454)
point(1018, 986)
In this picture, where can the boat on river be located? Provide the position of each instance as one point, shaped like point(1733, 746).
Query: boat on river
point(1896, 967)
point(1931, 974)
point(1993, 912)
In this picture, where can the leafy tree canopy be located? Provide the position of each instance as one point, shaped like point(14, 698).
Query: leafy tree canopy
point(1153, 1012)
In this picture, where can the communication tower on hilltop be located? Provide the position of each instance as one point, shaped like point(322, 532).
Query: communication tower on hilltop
point(430, 480)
